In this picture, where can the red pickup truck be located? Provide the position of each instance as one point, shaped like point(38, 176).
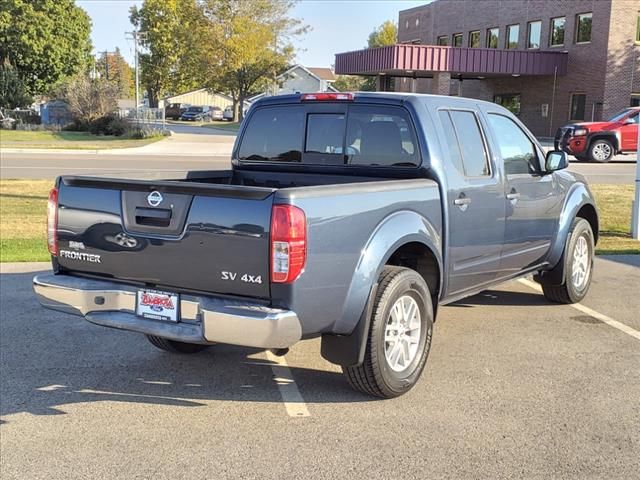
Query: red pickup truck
point(600, 141)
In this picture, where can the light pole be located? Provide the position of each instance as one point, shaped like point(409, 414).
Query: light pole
point(136, 35)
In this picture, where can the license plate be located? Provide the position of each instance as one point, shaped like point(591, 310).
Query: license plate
point(158, 305)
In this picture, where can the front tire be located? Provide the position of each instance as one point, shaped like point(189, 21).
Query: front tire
point(577, 266)
point(399, 337)
point(601, 151)
point(174, 346)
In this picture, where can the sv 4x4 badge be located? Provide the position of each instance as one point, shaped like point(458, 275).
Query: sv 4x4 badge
point(231, 276)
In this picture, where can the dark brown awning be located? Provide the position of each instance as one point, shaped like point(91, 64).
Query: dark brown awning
point(405, 60)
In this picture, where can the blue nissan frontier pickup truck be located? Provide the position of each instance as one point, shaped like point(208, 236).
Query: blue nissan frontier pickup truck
point(346, 216)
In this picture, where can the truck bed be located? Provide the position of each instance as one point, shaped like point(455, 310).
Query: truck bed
point(209, 226)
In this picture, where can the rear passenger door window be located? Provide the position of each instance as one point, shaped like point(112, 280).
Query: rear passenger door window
point(472, 147)
point(455, 156)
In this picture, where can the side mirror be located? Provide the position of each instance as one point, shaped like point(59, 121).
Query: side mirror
point(555, 160)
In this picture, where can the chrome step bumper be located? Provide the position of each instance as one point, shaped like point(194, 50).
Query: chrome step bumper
point(204, 319)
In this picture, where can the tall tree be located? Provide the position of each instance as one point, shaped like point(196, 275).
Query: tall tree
point(89, 99)
point(44, 40)
point(12, 90)
point(249, 43)
point(383, 35)
point(114, 69)
point(171, 38)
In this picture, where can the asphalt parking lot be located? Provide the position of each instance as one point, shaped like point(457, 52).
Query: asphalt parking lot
point(515, 387)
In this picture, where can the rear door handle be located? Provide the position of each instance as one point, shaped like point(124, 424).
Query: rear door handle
point(513, 195)
point(462, 202)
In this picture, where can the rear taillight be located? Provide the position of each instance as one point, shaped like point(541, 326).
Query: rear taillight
point(288, 243)
point(52, 221)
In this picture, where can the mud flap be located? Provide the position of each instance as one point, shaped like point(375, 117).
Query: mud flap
point(348, 350)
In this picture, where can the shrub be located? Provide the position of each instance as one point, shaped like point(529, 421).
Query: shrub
point(76, 125)
point(109, 125)
point(141, 133)
point(117, 126)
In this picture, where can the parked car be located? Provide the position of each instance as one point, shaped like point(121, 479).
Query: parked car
point(216, 113)
point(228, 113)
point(175, 110)
point(197, 114)
point(600, 141)
point(349, 217)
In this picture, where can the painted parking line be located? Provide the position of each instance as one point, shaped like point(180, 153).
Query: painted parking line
point(592, 313)
point(293, 401)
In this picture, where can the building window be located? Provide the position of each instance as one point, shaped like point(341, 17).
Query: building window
point(556, 37)
point(417, 22)
point(583, 27)
point(513, 32)
point(638, 29)
point(492, 37)
point(406, 25)
point(635, 100)
point(443, 41)
point(578, 102)
point(510, 101)
point(533, 34)
point(456, 40)
point(474, 39)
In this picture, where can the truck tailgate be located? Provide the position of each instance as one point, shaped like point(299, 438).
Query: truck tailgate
point(166, 234)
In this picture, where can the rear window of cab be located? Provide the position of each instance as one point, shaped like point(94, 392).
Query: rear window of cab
point(351, 135)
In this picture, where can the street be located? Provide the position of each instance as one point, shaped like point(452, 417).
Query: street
point(168, 160)
point(515, 387)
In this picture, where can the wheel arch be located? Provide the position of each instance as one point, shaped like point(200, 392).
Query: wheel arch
point(611, 136)
point(580, 203)
point(404, 238)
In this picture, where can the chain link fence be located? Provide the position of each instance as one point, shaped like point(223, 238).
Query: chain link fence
point(144, 117)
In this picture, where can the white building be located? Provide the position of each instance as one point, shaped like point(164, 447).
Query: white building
point(300, 79)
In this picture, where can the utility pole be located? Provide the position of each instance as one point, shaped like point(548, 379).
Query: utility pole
point(136, 35)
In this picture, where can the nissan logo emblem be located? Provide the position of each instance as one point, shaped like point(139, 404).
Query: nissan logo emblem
point(155, 198)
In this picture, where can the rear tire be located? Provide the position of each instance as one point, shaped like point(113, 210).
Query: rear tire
point(601, 151)
point(399, 337)
point(578, 266)
point(174, 346)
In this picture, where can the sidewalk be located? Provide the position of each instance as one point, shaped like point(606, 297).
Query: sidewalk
point(179, 144)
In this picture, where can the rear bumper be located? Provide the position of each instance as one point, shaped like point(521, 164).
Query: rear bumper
point(204, 319)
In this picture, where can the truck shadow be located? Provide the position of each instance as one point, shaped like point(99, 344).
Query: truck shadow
point(50, 360)
point(502, 297)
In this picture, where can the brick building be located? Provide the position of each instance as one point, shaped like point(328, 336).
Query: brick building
point(550, 62)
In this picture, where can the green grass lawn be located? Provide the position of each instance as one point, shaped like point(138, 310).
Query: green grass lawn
point(71, 140)
point(23, 205)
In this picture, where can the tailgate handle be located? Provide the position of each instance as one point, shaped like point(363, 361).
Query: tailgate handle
point(154, 217)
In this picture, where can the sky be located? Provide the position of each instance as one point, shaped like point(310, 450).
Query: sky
point(336, 25)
